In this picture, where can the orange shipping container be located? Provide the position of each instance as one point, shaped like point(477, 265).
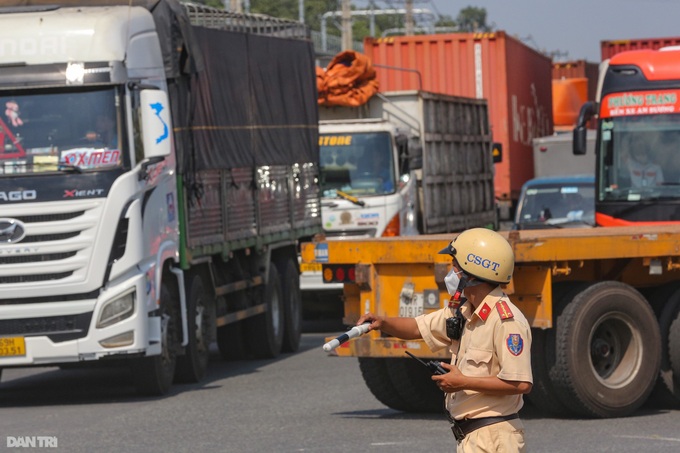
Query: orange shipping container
point(611, 48)
point(514, 78)
point(576, 69)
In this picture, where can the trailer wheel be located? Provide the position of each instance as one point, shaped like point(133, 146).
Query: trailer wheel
point(378, 381)
point(292, 305)
point(543, 395)
point(265, 332)
point(154, 375)
point(415, 385)
point(666, 392)
point(192, 366)
point(673, 344)
point(608, 351)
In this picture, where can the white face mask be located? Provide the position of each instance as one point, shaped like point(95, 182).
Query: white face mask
point(452, 281)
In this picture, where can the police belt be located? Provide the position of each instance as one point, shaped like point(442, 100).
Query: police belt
point(462, 428)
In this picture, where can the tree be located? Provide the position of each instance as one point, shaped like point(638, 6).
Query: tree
point(473, 20)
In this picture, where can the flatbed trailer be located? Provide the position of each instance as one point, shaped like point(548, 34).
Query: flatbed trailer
point(601, 302)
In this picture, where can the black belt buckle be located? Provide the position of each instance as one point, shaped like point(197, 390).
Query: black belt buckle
point(457, 431)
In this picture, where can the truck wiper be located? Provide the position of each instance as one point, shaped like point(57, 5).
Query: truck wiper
point(349, 197)
point(70, 168)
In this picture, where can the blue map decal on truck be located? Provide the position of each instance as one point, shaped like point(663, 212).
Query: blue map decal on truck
point(158, 108)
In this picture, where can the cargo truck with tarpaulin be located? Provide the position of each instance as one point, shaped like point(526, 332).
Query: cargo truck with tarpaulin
point(183, 230)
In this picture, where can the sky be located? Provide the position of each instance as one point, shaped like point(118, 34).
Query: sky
point(573, 26)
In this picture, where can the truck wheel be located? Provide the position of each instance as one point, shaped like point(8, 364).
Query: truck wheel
point(543, 395)
point(292, 305)
point(666, 392)
point(415, 385)
point(608, 351)
point(192, 366)
point(377, 379)
point(673, 344)
point(265, 332)
point(153, 375)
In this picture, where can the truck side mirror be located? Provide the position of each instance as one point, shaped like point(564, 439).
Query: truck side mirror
point(155, 123)
point(415, 154)
point(587, 112)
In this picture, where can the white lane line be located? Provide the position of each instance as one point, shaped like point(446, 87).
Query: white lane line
point(670, 439)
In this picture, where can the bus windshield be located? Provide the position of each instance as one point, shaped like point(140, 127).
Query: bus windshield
point(638, 158)
point(47, 131)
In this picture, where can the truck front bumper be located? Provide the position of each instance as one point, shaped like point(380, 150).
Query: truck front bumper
point(63, 332)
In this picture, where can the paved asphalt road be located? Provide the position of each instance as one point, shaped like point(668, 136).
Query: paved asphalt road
point(303, 402)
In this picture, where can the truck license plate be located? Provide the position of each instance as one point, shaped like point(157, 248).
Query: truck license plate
point(310, 267)
point(12, 346)
point(412, 307)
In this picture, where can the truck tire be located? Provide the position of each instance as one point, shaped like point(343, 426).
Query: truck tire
point(543, 395)
point(192, 366)
point(377, 379)
point(673, 345)
point(153, 375)
point(264, 332)
point(666, 392)
point(414, 383)
point(292, 304)
point(608, 351)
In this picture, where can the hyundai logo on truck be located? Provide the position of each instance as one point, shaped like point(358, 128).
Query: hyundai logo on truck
point(11, 230)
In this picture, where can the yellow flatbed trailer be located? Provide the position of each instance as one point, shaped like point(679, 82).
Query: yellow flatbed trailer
point(603, 304)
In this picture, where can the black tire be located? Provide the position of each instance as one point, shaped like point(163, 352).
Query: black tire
point(153, 375)
point(543, 395)
point(666, 392)
point(674, 349)
point(230, 341)
point(608, 351)
point(264, 332)
point(414, 384)
point(192, 366)
point(377, 379)
point(543, 352)
point(292, 305)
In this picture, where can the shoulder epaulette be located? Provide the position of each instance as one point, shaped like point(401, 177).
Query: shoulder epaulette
point(503, 310)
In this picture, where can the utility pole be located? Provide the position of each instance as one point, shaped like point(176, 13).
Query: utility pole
point(409, 24)
point(346, 25)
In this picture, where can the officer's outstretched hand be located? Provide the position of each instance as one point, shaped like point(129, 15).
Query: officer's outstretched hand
point(376, 321)
point(450, 382)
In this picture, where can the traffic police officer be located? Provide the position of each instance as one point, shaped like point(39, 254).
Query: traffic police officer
point(489, 340)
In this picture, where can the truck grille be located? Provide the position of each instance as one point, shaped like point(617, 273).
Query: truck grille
point(58, 245)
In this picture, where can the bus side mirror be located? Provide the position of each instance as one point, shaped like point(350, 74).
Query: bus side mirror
point(588, 111)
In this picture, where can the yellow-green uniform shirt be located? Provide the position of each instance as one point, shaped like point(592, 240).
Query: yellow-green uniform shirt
point(496, 341)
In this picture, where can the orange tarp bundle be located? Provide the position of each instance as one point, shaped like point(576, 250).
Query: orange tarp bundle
point(348, 80)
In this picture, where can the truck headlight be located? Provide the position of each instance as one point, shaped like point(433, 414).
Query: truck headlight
point(116, 310)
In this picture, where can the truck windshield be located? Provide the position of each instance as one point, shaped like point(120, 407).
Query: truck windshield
point(50, 131)
point(357, 164)
point(557, 204)
point(639, 158)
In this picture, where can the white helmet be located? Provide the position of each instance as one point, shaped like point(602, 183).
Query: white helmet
point(484, 254)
